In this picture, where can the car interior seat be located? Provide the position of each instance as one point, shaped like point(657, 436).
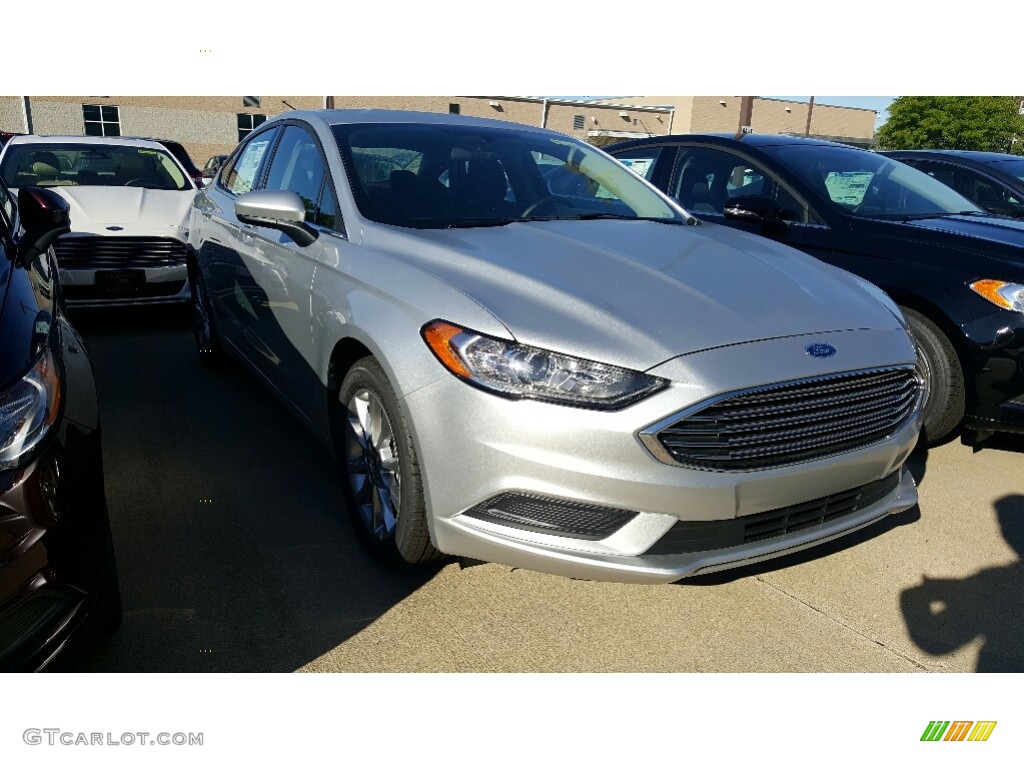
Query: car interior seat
point(482, 187)
point(46, 167)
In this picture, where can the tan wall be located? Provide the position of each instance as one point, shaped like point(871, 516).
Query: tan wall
point(10, 114)
point(560, 116)
point(706, 114)
point(207, 125)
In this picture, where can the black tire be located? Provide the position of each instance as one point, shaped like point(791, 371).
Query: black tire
point(939, 366)
point(204, 323)
point(378, 464)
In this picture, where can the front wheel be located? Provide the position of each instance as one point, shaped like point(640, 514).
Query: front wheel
point(939, 366)
point(381, 476)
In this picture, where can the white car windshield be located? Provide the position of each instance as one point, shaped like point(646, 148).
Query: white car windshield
point(435, 175)
point(40, 164)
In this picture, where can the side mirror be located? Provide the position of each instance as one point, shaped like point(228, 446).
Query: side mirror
point(753, 209)
point(279, 209)
point(45, 216)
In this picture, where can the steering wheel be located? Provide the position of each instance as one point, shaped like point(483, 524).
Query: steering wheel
point(136, 182)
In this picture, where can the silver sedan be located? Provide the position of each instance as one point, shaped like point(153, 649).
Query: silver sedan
point(521, 352)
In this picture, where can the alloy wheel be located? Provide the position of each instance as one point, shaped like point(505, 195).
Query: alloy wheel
point(372, 463)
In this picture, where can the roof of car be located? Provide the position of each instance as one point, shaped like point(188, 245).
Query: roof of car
point(350, 116)
point(123, 141)
point(750, 139)
point(978, 157)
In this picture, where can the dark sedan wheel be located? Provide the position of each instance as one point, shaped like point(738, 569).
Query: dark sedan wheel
point(383, 490)
point(204, 325)
point(939, 367)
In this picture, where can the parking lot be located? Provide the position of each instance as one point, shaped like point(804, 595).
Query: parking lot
point(234, 555)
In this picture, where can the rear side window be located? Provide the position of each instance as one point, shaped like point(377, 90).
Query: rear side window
point(641, 160)
point(247, 167)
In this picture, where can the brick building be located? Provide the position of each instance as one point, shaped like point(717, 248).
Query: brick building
point(211, 125)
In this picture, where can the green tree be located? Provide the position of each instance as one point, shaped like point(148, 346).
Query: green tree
point(984, 123)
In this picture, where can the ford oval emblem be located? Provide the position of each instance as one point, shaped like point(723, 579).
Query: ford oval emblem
point(115, 229)
point(820, 350)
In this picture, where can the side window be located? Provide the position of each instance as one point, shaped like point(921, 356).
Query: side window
point(972, 185)
point(705, 180)
point(244, 173)
point(641, 160)
point(297, 166)
point(327, 211)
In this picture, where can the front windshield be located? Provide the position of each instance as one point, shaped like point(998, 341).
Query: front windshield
point(435, 175)
point(41, 164)
point(1013, 167)
point(869, 185)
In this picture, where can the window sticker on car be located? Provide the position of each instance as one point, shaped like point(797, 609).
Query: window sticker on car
point(848, 187)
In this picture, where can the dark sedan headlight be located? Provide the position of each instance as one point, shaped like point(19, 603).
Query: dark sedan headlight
point(1004, 295)
point(29, 408)
point(520, 371)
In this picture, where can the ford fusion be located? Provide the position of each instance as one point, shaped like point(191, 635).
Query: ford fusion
point(523, 353)
point(129, 200)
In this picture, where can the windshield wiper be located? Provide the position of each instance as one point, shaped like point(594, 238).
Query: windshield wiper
point(500, 222)
point(600, 215)
point(940, 214)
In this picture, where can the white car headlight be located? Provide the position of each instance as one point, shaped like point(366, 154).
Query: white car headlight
point(1004, 295)
point(519, 371)
point(28, 409)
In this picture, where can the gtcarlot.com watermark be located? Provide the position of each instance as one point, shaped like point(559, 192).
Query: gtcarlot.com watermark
point(56, 737)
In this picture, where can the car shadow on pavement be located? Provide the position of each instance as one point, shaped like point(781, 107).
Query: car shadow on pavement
point(233, 549)
point(942, 615)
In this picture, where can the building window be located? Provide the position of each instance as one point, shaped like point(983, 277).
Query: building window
point(246, 124)
point(101, 120)
point(453, 109)
point(250, 101)
point(578, 122)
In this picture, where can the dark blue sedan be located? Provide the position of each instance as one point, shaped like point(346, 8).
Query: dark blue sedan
point(991, 180)
point(956, 271)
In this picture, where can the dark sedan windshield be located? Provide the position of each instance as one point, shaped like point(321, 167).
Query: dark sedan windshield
point(435, 175)
point(41, 164)
point(869, 185)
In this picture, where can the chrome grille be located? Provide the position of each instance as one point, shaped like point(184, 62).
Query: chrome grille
point(118, 252)
point(793, 422)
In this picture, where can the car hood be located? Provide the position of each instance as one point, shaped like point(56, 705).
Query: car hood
point(138, 211)
point(993, 236)
point(637, 293)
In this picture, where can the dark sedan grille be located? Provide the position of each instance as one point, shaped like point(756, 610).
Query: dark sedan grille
point(118, 252)
point(799, 421)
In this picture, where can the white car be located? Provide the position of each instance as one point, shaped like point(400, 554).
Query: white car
point(130, 201)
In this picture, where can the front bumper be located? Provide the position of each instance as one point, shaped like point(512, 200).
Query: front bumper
point(161, 285)
point(474, 447)
point(995, 373)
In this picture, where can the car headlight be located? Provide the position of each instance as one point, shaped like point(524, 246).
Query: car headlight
point(28, 409)
point(1004, 295)
point(520, 371)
